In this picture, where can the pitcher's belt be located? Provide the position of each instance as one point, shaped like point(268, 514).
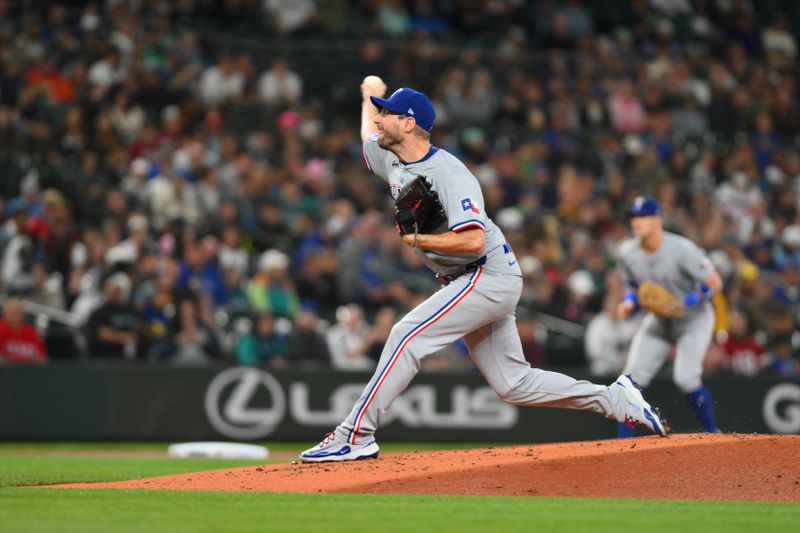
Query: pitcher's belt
point(469, 267)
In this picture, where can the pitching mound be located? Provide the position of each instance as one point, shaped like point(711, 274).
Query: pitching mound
point(727, 467)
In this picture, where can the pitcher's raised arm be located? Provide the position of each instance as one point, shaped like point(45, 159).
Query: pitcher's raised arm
point(371, 86)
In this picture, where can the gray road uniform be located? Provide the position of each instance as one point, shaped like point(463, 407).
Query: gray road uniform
point(681, 267)
point(478, 304)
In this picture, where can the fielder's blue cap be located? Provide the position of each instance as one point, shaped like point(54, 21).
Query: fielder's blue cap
point(410, 103)
point(645, 206)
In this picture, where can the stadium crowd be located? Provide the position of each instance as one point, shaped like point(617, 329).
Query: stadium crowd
point(185, 180)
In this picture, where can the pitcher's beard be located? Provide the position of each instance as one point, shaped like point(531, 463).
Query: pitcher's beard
point(386, 141)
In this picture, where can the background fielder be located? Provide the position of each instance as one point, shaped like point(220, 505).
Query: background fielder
point(681, 267)
point(483, 283)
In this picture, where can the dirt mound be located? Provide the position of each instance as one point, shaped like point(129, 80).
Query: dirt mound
point(726, 467)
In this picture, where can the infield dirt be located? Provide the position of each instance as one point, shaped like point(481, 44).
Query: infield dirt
point(689, 466)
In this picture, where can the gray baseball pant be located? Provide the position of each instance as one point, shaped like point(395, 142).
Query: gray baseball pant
point(653, 341)
point(479, 307)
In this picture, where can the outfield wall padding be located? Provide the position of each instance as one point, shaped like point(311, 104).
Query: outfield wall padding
point(115, 402)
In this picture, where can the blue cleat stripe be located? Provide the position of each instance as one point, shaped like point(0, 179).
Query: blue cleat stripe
point(344, 450)
point(656, 426)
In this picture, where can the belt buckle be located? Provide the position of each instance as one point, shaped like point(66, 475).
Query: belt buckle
point(473, 266)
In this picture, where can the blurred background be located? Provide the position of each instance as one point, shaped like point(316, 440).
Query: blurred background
point(182, 186)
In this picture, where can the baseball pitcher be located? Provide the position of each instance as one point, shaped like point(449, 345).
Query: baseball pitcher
point(441, 214)
point(671, 279)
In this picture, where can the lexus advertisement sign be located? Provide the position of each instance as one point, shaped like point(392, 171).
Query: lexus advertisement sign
point(247, 403)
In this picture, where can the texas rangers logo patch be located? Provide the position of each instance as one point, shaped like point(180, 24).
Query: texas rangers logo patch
point(468, 205)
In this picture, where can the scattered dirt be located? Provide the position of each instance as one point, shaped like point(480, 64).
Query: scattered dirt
point(692, 466)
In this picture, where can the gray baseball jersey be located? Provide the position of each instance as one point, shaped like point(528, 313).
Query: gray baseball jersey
point(477, 306)
point(680, 266)
point(458, 190)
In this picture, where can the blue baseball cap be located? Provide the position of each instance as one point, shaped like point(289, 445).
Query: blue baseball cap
point(15, 206)
point(645, 206)
point(411, 103)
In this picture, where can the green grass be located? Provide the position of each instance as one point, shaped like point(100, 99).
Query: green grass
point(27, 470)
point(83, 446)
point(95, 510)
point(37, 509)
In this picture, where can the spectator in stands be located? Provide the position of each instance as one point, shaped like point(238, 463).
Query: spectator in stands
point(158, 313)
point(307, 346)
point(107, 71)
point(231, 252)
point(608, 339)
point(530, 335)
point(279, 86)
point(113, 327)
point(221, 82)
point(134, 183)
point(200, 273)
point(17, 249)
point(581, 302)
point(268, 229)
point(385, 319)
point(317, 281)
point(135, 246)
point(272, 290)
point(19, 341)
point(192, 341)
point(349, 339)
point(263, 346)
point(290, 16)
point(54, 234)
point(780, 46)
point(782, 346)
point(394, 19)
point(171, 197)
point(783, 355)
point(787, 288)
point(625, 109)
point(788, 255)
point(238, 305)
point(743, 354)
point(360, 268)
point(128, 118)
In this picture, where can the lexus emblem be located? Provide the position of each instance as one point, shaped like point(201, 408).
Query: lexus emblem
point(229, 403)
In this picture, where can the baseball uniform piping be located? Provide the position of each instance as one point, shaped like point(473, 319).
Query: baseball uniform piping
point(468, 224)
point(404, 342)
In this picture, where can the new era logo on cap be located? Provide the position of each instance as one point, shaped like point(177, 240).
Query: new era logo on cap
point(644, 206)
point(405, 101)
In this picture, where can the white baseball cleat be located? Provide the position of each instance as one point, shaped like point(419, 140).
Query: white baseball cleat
point(333, 448)
point(635, 409)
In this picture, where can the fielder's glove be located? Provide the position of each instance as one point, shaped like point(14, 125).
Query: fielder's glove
point(656, 299)
point(419, 210)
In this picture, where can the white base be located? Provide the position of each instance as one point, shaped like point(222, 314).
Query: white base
point(221, 450)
